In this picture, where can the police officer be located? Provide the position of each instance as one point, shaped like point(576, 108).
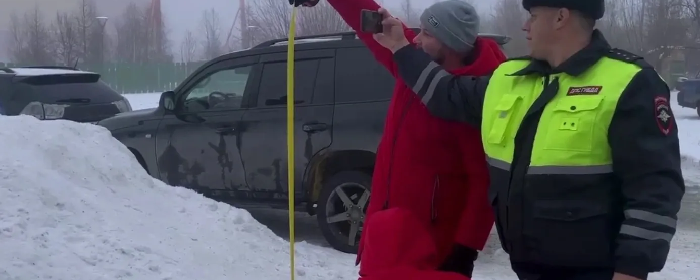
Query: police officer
point(581, 140)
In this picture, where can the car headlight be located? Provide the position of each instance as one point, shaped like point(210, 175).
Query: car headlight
point(44, 111)
point(123, 105)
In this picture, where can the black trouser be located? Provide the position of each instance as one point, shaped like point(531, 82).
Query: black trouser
point(541, 272)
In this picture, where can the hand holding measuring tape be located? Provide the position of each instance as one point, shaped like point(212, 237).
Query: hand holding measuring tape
point(305, 3)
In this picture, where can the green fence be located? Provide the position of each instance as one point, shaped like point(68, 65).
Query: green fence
point(139, 78)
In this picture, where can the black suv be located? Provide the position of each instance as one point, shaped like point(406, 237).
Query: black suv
point(222, 132)
point(50, 93)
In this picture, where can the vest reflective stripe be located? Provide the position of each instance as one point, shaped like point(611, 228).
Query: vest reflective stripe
point(579, 170)
point(572, 132)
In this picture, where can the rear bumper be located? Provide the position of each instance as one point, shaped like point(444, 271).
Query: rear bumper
point(687, 101)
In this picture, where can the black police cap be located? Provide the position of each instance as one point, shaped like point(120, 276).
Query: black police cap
point(592, 8)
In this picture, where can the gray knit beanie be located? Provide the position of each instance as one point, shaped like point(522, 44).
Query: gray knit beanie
point(453, 22)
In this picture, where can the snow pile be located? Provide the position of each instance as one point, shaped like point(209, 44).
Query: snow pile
point(75, 204)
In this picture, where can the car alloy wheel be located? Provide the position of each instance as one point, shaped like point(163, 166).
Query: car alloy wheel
point(345, 211)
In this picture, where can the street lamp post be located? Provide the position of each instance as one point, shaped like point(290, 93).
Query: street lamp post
point(251, 35)
point(103, 22)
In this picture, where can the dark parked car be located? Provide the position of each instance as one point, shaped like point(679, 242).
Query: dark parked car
point(689, 93)
point(222, 132)
point(51, 93)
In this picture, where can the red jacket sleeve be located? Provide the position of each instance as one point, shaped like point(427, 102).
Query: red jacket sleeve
point(350, 11)
point(477, 217)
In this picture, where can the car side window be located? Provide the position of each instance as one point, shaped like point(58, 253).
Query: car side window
point(273, 83)
point(222, 90)
point(359, 77)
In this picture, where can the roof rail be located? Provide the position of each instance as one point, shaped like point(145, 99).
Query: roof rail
point(351, 35)
point(49, 67)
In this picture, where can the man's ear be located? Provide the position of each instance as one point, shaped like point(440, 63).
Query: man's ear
point(561, 17)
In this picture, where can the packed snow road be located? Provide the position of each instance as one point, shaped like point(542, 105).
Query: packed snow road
point(75, 204)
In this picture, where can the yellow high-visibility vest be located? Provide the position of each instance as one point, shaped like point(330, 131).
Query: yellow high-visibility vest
point(572, 134)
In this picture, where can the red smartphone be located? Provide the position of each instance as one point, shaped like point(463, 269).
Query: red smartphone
point(371, 22)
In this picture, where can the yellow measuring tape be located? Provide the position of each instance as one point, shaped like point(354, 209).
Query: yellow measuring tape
point(290, 135)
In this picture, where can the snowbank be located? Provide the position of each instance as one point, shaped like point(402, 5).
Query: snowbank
point(141, 101)
point(75, 204)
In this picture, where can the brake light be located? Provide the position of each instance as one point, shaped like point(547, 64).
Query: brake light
point(44, 111)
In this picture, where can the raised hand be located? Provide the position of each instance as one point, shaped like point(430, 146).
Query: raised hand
point(305, 3)
point(393, 37)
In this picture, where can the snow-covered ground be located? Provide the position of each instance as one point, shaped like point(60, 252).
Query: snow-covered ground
point(75, 204)
point(143, 100)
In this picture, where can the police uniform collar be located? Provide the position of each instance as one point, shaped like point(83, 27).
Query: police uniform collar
point(575, 65)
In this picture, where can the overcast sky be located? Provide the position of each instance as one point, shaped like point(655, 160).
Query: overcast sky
point(179, 13)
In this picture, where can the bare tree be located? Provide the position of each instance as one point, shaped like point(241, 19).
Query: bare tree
point(322, 19)
point(17, 38)
point(211, 43)
point(188, 49)
point(142, 36)
point(408, 14)
point(86, 24)
point(508, 19)
point(132, 40)
point(268, 19)
point(666, 29)
point(65, 37)
point(31, 40)
point(156, 33)
point(692, 7)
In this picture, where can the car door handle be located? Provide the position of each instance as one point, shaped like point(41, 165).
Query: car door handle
point(314, 127)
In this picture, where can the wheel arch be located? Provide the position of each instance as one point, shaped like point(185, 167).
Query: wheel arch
point(325, 165)
point(140, 159)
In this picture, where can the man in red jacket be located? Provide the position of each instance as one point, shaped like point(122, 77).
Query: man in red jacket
point(391, 254)
point(434, 168)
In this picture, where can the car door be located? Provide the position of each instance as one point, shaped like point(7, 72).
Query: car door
point(264, 149)
point(203, 140)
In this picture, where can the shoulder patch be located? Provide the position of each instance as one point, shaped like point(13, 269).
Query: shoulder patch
point(625, 56)
point(664, 116)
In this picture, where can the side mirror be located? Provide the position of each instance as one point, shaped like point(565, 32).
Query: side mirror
point(167, 100)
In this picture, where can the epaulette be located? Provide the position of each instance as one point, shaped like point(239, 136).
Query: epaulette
point(625, 56)
point(525, 57)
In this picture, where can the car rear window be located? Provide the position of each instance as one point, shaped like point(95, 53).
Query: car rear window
point(68, 89)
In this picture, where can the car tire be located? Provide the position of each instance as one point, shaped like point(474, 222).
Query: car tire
point(335, 218)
